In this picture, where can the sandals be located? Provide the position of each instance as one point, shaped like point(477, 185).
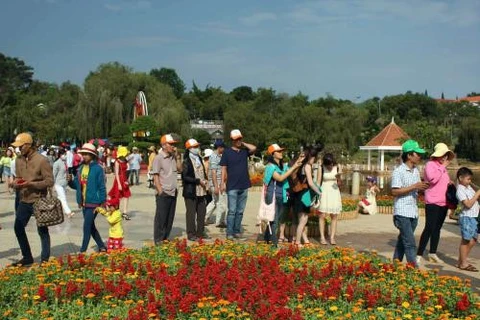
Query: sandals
point(333, 242)
point(125, 216)
point(468, 268)
point(323, 241)
point(282, 240)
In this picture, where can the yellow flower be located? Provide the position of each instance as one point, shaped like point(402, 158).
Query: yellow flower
point(333, 308)
point(405, 304)
point(407, 316)
point(90, 295)
point(36, 297)
point(438, 307)
point(380, 308)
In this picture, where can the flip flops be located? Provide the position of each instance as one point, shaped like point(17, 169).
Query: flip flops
point(468, 268)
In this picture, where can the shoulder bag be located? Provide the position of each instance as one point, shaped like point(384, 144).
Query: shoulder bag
point(266, 212)
point(48, 210)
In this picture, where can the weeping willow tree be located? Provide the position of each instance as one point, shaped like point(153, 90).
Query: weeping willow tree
point(109, 96)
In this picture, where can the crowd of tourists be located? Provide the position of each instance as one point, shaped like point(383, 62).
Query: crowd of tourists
point(215, 187)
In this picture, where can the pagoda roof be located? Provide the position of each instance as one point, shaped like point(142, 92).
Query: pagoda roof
point(390, 138)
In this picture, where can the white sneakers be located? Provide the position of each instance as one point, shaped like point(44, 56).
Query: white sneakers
point(432, 257)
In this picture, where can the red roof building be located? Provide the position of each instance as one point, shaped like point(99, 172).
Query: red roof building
point(389, 139)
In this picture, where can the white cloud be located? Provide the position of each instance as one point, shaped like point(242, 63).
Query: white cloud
point(458, 13)
point(222, 28)
point(126, 5)
point(132, 42)
point(258, 18)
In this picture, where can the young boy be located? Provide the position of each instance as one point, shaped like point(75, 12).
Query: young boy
point(468, 217)
point(114, 218)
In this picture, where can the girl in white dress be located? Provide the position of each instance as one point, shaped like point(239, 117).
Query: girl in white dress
point(368, 205)
point(331, 200)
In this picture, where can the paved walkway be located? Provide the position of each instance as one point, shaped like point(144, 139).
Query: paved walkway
point(366, 233)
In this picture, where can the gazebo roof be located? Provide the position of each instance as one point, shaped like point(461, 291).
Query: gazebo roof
point(390, 138)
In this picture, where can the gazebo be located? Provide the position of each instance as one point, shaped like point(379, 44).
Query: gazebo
point(389, 139)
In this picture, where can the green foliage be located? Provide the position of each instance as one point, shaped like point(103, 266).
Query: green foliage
point(170, 78)
point(104, 108)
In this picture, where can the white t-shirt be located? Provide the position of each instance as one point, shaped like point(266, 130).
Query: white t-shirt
point(466, 193)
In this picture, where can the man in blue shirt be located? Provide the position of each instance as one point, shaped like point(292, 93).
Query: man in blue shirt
point(236, 181)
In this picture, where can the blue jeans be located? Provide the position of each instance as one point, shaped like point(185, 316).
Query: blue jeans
point(274, 224)
point(406, 240)
point(22, 216)
point(134, 174)
point(89, 230)
point(237, 200)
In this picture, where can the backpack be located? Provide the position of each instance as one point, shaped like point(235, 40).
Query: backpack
point(452, 195)
point(297, 181)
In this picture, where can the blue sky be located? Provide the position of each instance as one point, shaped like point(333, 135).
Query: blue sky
point(352, 49)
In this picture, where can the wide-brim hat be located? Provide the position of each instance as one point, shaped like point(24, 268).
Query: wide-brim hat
point(440, 150)
point(88, 148)
point(122, 151)
point(151, 148)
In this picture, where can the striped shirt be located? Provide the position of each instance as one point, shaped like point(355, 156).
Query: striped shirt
point(466, 193)
point(406, 204)
point(214, 164)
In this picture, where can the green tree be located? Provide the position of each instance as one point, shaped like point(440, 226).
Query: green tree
point(15, 75)
point(170, 78)
point(243, 93)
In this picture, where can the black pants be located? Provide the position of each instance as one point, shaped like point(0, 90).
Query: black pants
point(23, 214)
point(435, 216)
point(196, 210)
point(164, 214)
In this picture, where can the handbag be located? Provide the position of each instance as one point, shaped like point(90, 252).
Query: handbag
point(48, 210)
point(266, 212)
point(315, 202)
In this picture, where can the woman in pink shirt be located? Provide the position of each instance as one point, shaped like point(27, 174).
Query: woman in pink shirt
point(436, 175)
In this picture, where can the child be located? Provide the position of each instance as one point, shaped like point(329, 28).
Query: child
point(368, 205)
point(114, 218)
point(468, 199)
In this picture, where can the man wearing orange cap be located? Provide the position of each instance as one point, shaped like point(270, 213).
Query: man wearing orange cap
point(165, 167)
point(34, 176)
point(236, 181)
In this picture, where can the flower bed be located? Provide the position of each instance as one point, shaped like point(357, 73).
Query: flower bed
point(385, 205)
point(231, 281)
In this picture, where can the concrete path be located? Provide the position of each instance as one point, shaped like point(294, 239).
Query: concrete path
point(367, 233)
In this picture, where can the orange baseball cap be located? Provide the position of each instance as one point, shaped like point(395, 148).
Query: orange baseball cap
point(167, 138)
point(274, 148)
point(21, 139)
point(191, 143)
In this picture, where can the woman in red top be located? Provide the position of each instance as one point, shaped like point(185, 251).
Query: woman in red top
point(120, 189)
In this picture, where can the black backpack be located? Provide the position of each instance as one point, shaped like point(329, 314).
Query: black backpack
point(452, 195)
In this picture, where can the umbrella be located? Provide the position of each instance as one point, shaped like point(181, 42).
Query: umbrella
point(97, 142)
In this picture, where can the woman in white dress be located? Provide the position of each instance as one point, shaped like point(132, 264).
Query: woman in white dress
point(331, 200)
point(368, 205)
